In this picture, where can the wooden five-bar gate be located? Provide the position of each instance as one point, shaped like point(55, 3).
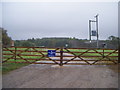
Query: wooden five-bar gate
point(60, 56)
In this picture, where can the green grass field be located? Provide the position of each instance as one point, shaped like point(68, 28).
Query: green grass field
point(7, 66)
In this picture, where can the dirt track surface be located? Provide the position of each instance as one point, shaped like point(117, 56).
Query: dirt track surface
point(52, 76)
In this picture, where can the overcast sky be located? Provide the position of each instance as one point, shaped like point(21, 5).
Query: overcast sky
point(25, 20)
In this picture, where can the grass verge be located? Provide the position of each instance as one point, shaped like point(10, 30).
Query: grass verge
point(7, 67)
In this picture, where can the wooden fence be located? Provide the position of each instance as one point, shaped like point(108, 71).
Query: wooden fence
point(63, 56)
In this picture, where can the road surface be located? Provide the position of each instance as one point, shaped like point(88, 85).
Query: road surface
point(53, 76)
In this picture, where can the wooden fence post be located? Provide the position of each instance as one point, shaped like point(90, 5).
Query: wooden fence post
point(15, 52)
point(103, 53)
point(61, 57)
point(1, 58)
point(118, 51)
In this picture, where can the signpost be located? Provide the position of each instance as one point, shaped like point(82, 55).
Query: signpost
point(51, 53)
point(94, 33)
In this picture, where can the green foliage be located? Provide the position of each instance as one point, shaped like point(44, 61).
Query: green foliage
point(7, 67)
point(114, 41)
point(6, 40)
point(46, 42)
point(27, 44)
point(24, 43)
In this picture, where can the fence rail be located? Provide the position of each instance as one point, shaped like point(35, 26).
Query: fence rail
point(64, 56)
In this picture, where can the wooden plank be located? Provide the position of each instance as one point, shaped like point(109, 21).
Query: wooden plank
point(33, 47)
point(30, 62)
point(57, 51)
point(43, 59)
point(63, 48)
point(55, 56)
point(87, 52)
point(89, 64)
point(44, 63)
point(23, 54)
point(91, 48)
point(97, 56)
point(64, 64)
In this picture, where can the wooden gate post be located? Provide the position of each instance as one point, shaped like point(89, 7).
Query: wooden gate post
point(15, 52)
point(61, 57)
point(103, 53)
point(1, 58)
point(119, 53)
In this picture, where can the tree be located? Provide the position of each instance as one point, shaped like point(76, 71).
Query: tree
point(112, 38)
point(27, 44)
point(114, 41)
point(6, 40)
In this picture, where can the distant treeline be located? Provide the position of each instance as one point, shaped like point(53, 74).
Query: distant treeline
point(50, 42)
point(111, 42)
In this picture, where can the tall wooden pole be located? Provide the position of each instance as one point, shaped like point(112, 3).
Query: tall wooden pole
point(97, 30)
point(90, 30)
point(0, 58)
point(0, 44)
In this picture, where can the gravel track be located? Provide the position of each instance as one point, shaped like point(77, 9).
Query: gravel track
point(47, 76)
point(67, 76)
